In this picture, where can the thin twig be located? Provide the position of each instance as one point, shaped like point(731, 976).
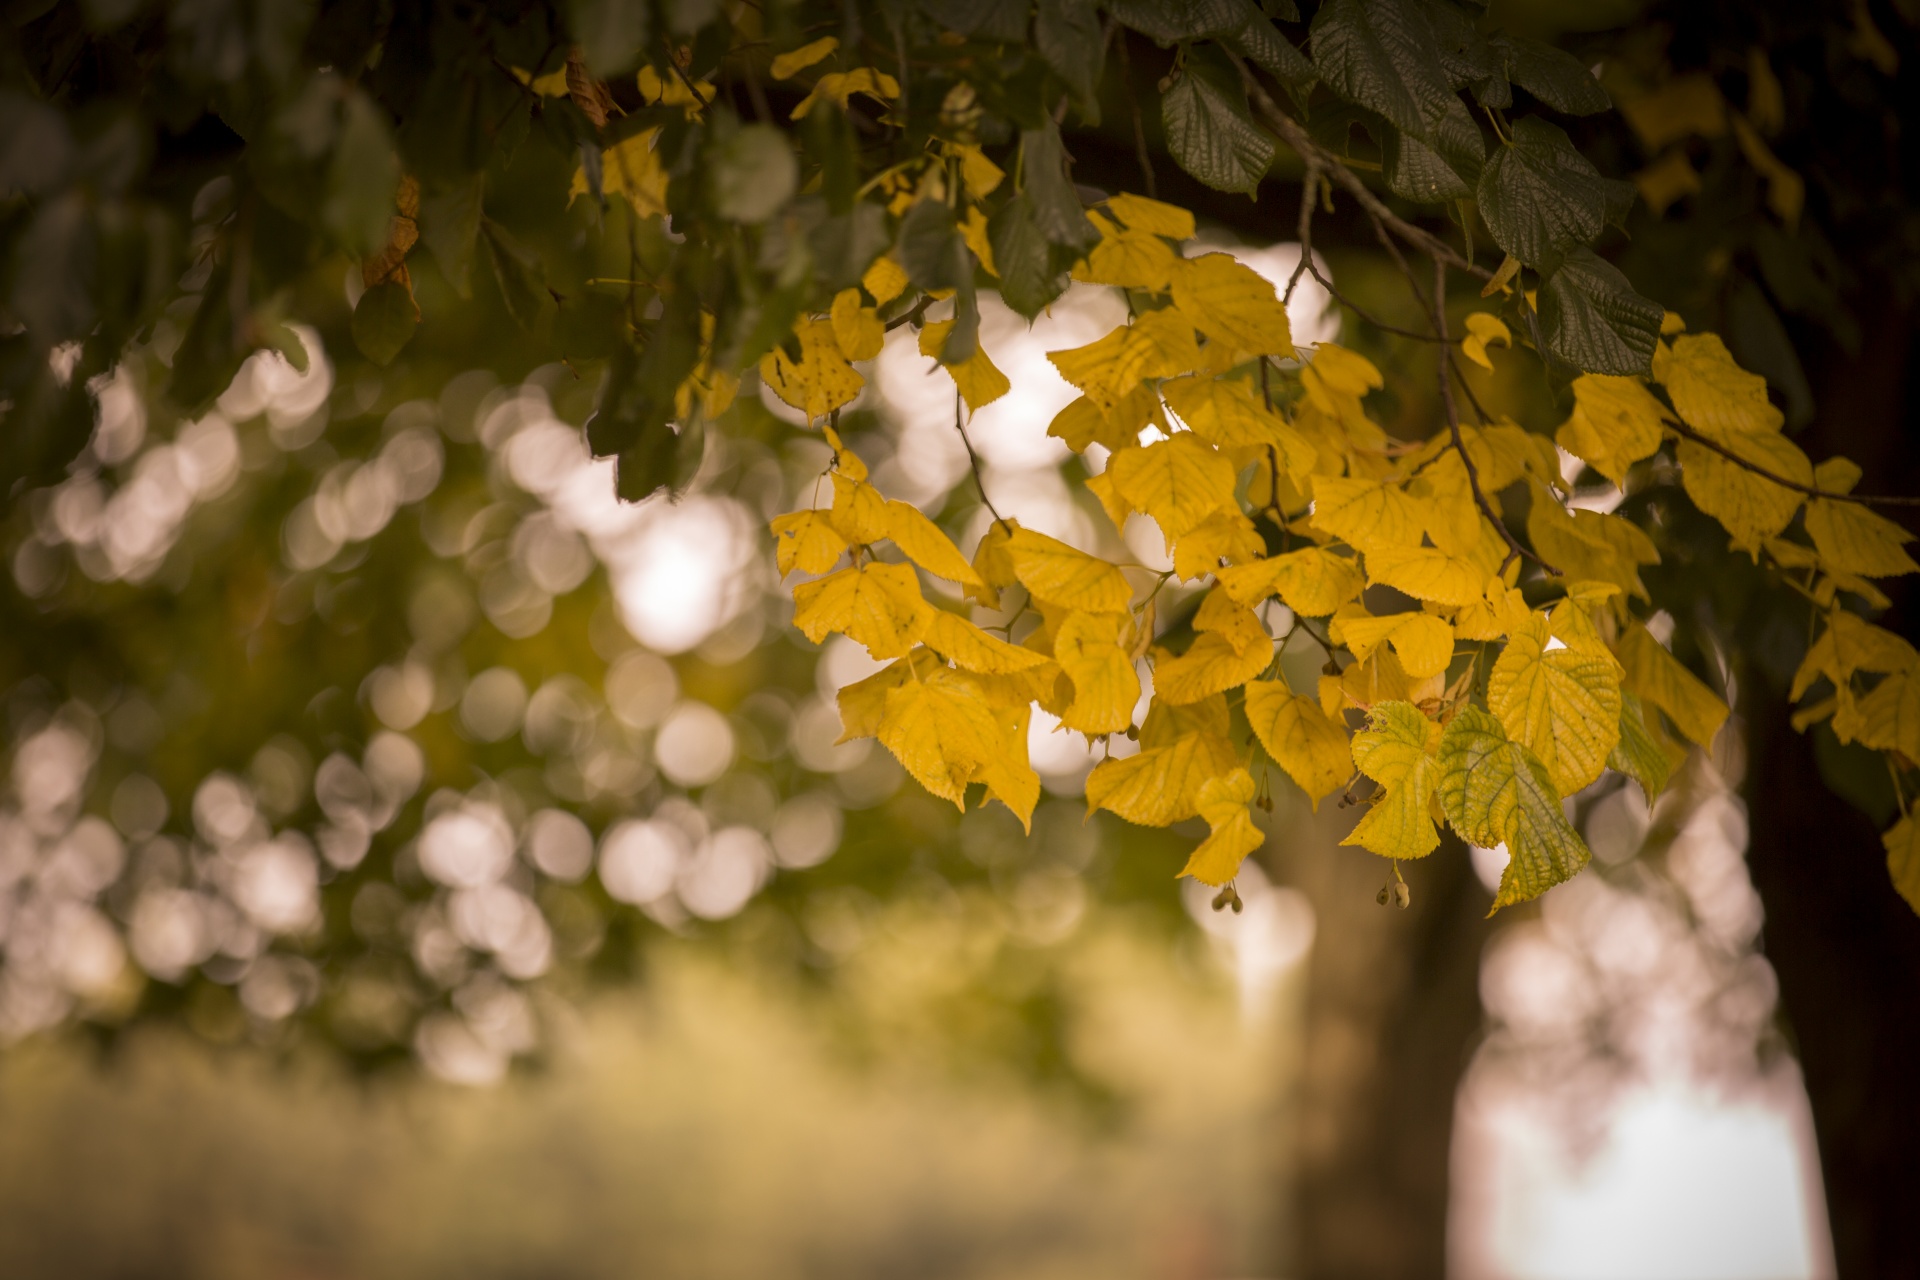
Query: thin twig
point(1460, 375)
point(912, 316)
point(973, 460)
point(1514, 549)
point(1864, 499)
point(1295, 136)
point(1309, 188)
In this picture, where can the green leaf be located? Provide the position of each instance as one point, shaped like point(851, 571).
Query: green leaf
point(1057, 210)
point(1209, 132)
point(1468, 58)
point(1496, 792)
point(1068, 36)
point(384, 321)
point(1555, 77)
point(1592, 319)
point(1003, 21)
point(931, 250)
point(1638, 755)
point(450, 227)
point(522, 278)
point(1380, 54)
point(1169, 21)
point(1261, 44)
point(1540, 197)
point(846, 244)
point(1028, 280)
point(1442, 172)
point(752, 174)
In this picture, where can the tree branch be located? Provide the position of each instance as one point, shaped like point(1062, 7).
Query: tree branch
point(1684, 431)
point(1514, 549)
point(973, 460)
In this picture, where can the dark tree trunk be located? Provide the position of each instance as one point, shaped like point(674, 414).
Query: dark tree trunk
point(1847, 950)
point(1393, 1009)
point(1845, 945)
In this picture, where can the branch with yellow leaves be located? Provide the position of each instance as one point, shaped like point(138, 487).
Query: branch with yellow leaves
point(1686, 432)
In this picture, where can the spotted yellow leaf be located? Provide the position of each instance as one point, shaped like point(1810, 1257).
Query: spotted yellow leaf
point(1561, 704)
point(859, 511)
point(821, 381)
point(942, 731)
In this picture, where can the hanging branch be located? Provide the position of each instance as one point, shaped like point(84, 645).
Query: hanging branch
point(1514, 549)
point(973, 460)
point(1813, 491)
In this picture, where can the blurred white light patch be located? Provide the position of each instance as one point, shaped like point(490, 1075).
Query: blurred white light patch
point(640, 688)
point(223, 809)
point(467, 847)
point(694, 745)
point(806, 830)
point(724, 873)
point(559, 845)
point(277, 884)
point(493, 704)
point(1261, 943)
point(640, 859)
point(503, 921)
point(454, 1052)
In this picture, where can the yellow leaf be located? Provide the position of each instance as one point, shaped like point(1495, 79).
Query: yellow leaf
point(1313, 582)
point(1223, 803)
point(1336, 375)
point(1452, 517)
point(980, 176)
point(1301, 738)
point(1179, 481)
point(822, 381)
point(1225, 412)
point(1152, 216)
point(1590, 544)
point(1052, 570)
point(1615, 423)
point(1232, 304)
point(807, 541)
point(1240, 626)
point(1224, 535)
point(845, 460)
point(1092, 649)
point(675, 91)
point(1666, 180)
point(1396, 751)
point(1712, 393)
point(856, 329)
point(993, 564)
point(1379, 679)
point(1902, 843)
point(1852, 539)
point(838, 86)
point(1210, 665)
point(923, 542)
point(1422, 642)
point(1366, 514)
point(793, 62)
point(942, 731)
point(1007, 773)
point(859, 512)
point(1128, 260)
point(973, 230)
point(863, 704)
point(1751, 507)
point(1161, 785)
point(1427, 573)
point(884, 280)
point(972, 649)
point(1561, 704)
point(1890, 715)
point(1159, 344)
point(1851, 644)
point(878, 605)
point(1683, 106)
point(1484, 327)
point(630, 168)
point(979, 381)
point(1111, 501)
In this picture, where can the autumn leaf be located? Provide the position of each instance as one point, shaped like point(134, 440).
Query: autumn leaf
point(1300, 737)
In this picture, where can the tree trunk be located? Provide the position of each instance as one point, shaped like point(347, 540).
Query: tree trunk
point(1393, 1009)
